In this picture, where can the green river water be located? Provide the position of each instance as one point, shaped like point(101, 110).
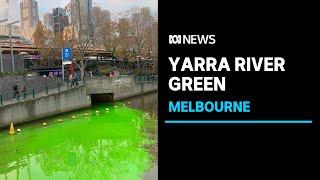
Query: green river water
point(107, 141)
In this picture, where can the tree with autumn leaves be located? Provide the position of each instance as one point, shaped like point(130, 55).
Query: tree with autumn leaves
point(48, 44)
point(137, 34)
point(131, 34)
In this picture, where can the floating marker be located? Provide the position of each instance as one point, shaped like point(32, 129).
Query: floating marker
point(86, 114)
point(129, 102)
point(107, 109)
point(59, 120)
point(115, 106)
point(97, 112)
point(44, 124)
point(73, 117)
point(18, 130)
point(11, 131)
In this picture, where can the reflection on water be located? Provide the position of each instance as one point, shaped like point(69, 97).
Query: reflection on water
point(148, 103)
point(111, 142)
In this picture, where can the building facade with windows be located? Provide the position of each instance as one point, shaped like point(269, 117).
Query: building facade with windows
point(48, 21)
point(60, 20)
point(29, 18)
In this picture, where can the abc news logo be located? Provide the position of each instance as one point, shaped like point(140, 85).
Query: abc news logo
point(192, 39)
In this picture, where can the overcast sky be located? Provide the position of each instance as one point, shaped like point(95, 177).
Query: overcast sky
point(114, 6)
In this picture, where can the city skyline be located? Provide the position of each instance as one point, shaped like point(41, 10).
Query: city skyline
point(114, 6)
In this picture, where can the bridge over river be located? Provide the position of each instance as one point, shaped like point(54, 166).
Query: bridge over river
point(62, 100)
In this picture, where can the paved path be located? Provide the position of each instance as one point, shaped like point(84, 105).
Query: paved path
point(42, 93)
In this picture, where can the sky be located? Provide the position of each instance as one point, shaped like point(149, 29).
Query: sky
point(114, 6)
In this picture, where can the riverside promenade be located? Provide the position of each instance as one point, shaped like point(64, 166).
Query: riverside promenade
point(64, 99)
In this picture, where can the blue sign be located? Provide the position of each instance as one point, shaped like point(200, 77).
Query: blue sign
point(67, 54)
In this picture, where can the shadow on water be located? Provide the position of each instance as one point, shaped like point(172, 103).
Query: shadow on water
point(107, 141)
point(148, 103)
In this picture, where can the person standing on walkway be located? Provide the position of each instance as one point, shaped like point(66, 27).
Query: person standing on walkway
point(23, 90)
point(71, 80)
point(76, 78)
point(15, 90)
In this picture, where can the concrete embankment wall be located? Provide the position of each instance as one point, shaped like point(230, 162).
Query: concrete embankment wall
point(136, 89)
point(120, 87)
point(42, 107)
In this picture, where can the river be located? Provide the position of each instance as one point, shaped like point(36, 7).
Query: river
point(108, 141)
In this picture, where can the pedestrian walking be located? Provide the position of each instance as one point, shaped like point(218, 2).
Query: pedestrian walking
point(23, 90)
point(16, 91)
point(76, 78)
point(71, 80)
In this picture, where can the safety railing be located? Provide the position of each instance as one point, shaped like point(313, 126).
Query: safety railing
point(31, 93)
point(146, 78)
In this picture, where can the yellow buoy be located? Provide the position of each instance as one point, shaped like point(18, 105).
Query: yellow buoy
point(11, 131)
point(97, 112)
point(44, 124)
point(86, 114)
point(59, 120)
point(73, 117)
point(129, 102)
point(18, 130)
point(115, 106)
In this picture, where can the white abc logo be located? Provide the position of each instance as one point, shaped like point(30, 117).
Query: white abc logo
point(174, 39)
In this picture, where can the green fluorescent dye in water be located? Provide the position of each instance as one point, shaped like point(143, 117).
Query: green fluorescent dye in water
point(105, 144)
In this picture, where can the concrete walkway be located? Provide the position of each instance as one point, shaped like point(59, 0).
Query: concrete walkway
point(42, 93)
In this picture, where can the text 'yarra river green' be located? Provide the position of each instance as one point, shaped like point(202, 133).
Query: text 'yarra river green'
point(107, 141)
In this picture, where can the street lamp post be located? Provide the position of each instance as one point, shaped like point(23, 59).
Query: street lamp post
point(1, 60)
point(11, 48)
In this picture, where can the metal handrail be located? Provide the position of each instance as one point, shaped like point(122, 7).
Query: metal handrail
point(146, 78)
point(31, 93)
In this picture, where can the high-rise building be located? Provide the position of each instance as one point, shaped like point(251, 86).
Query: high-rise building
point(29, 17)
point(102, 15)
point(4, 10)
point(100, 18)
point(4, 4)
point(68, 12)
point(4, 15)
point(80, 12)
point(48, 21)
point(60, 20)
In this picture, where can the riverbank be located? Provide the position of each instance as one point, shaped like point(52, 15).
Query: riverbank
point(44, 106)
point(59, 101)
point(104, 142)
